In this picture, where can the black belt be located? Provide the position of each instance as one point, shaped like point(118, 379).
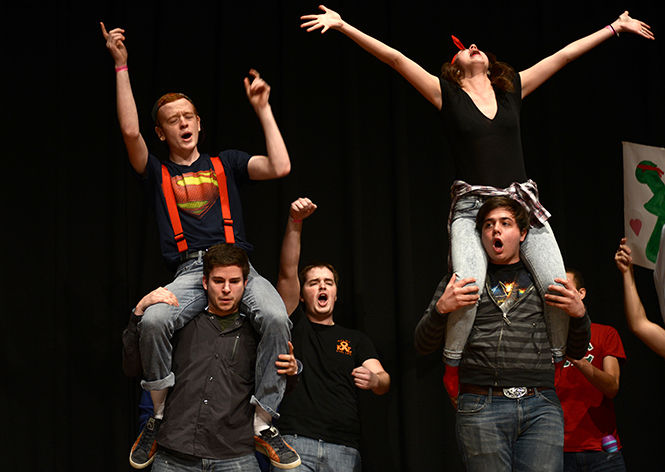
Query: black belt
point(192, 460)
point(189, 255)
point(507, 392)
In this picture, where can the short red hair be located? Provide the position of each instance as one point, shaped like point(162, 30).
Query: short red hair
point(168, 98)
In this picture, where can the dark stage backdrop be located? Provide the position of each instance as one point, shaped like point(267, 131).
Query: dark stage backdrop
point(80, 244)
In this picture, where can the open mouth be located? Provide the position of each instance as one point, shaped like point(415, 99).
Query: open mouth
point(498, 244)
point(474, 52)
point(322, 298)
point(186, 135)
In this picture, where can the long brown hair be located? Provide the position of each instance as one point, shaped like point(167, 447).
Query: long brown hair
point(501, 74)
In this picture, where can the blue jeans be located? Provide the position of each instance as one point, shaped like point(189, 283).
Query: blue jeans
point(539, 252)
point(320, 456)
point(168, 462)
point(260, 302)
point(498, 434)
point(593, 461)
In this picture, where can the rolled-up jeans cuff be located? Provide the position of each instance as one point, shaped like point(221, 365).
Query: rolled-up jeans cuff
point(166, 382)
point(255, 401)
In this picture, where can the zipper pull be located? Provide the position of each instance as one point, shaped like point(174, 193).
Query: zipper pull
point(505, 318)
point(235, 346)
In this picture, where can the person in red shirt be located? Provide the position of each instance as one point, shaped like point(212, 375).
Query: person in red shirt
point(586, 388)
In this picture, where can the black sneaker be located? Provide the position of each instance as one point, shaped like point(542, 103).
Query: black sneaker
point(281, 455)
point(144, 449)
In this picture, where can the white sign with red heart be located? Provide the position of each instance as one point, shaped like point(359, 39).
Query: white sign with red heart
point(644, 200)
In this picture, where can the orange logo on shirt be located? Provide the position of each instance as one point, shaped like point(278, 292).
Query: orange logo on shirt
point(343, 347)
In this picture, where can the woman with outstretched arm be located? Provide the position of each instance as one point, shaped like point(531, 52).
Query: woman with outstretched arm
point(479, 99)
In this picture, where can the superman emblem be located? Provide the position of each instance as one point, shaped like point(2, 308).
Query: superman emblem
point(195, 193)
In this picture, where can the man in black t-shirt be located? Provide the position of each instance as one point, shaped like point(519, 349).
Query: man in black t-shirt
point(508, 414)
point(320, 417)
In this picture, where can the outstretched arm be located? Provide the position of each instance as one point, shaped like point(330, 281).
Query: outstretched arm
point(426, 83)
point(288, 285)
point(127, 114)
point(371, 376)
point(605, 380)
point(276, 164)
point(649, 333)
point(533, 77)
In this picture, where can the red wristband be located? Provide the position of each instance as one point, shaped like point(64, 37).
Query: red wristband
point(121, 68)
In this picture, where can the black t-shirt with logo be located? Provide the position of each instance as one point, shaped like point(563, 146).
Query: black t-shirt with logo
point(324, 404)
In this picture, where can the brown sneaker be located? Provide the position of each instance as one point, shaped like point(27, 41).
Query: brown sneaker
point(144, 448)
point(281, 455)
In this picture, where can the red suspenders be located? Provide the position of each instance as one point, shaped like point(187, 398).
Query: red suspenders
point(172, 207)
point(167, 189)
point(224, 200)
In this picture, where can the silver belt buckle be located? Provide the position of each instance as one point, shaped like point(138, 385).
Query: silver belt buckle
point(514, 392)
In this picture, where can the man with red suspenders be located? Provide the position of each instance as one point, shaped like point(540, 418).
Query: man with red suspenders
point(197, 205)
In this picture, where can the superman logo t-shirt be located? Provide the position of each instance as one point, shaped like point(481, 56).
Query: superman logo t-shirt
point(197, 197)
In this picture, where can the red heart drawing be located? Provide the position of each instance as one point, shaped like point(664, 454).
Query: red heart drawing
point(636, 225)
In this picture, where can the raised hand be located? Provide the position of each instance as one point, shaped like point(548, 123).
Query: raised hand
point(258, 91)
point(458, 293)
point(301, 209)
point(286, 363)
point(324, 21)
point(622, 257)
point(626, 24)
point(115, 45)
point(566, 298)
